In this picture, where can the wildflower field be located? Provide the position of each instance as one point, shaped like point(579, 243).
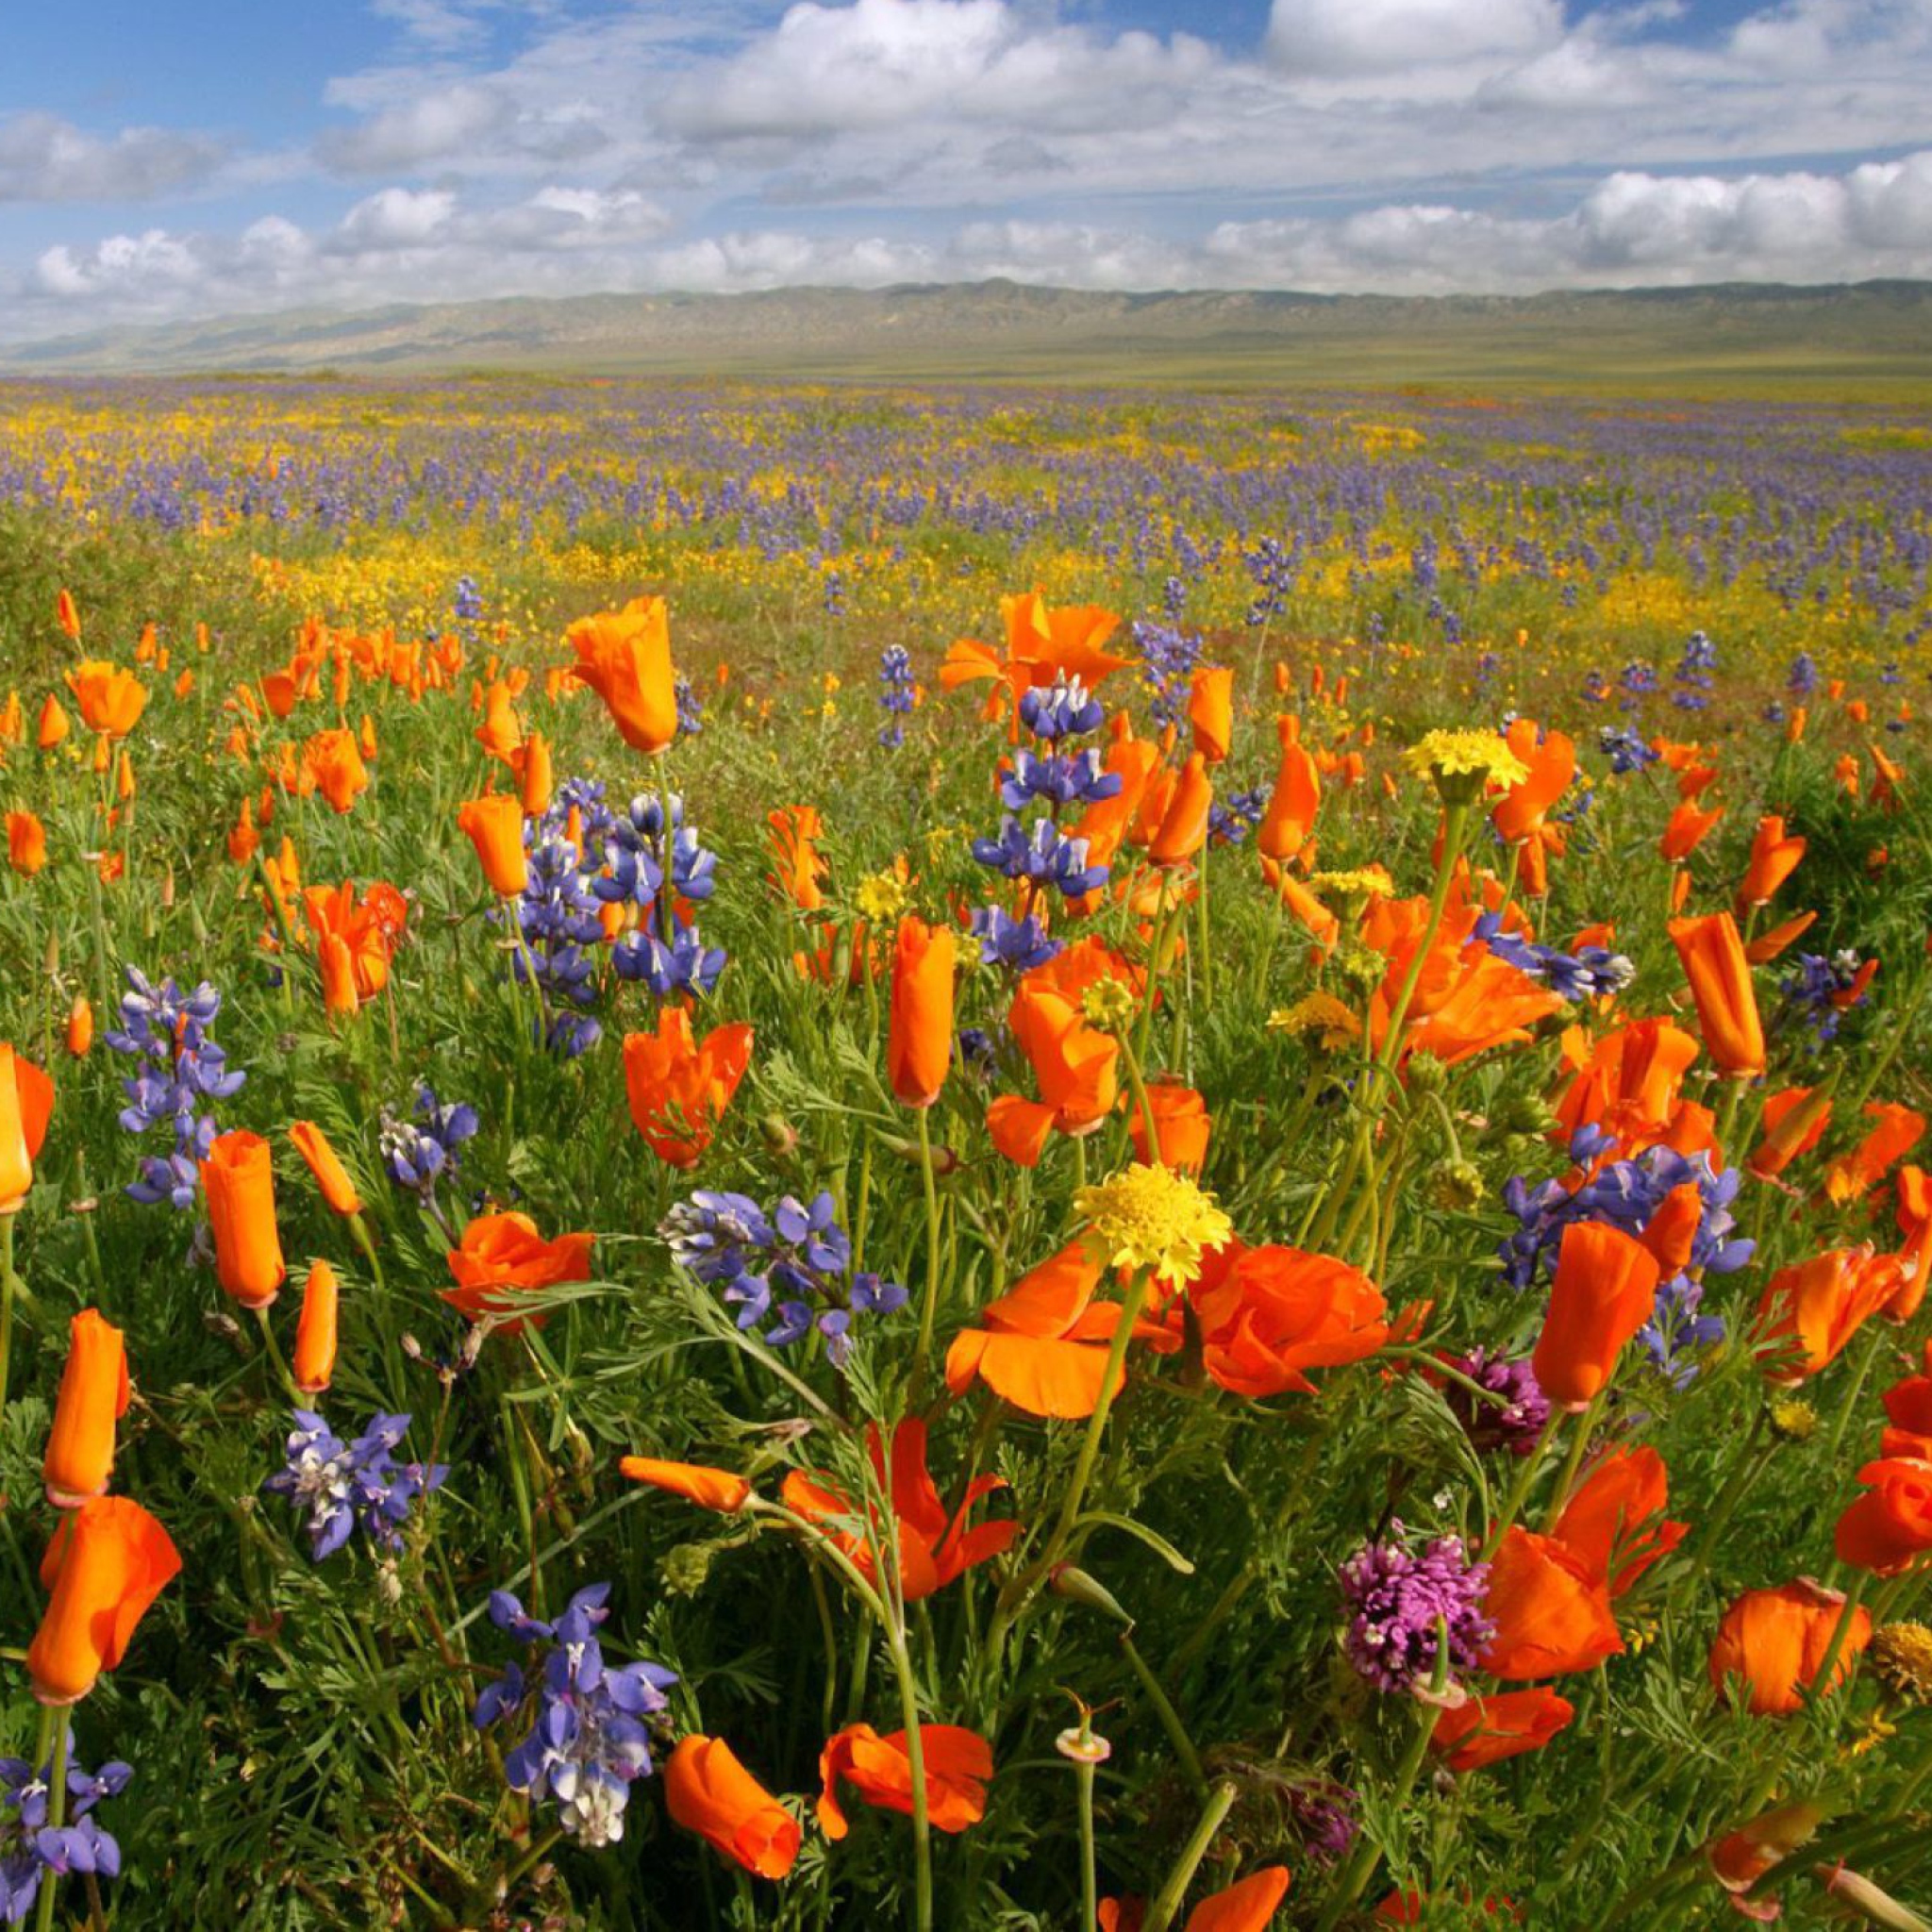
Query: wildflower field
point(838, 1158)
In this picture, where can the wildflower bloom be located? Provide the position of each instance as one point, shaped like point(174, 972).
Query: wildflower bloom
point(958, 1763)
point(1890, 1527)
point(678, 1087)
point(1268, 1315)
point(1151, 1218)
point(53, 725)
point(1549, 1615)
point(92, 1398)
point(1075, 1068)
point(111, 700)
point(334, 761)
point(1399, 1603)
point(501, 1256)
point(709, 1792)
point(1295, 799)
point(1516, 1424)
point(179, 1069)
point(109, 1561)
point(1811, 1309)
point(26, 843)
point(1461, 762)
point(919, 1043)
point(1688, 828)
point(589, 1741)
point(239, 1178)
point(80, 1026)
point(624, 657)
point(1774, 858)
point(1506, 1724)
point(322, 1160)
point(1896, 1131)
point(26, 1104)
point(342, 1487)
point(1180, 1120)
point(1183, 827)
point(1210, 712)
point(1713, 959)
point(314, 1360)
point(935, 1547)
point(1614, 1519)
point(1042, 644)
point(1604, 1290)
point(1794, 1122)
point(495, 825)
point(696, 1482)
point(1776, 1641)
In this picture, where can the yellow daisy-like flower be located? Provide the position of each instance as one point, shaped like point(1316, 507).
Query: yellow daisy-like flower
point(1460, 763)
point(1901, 1653)
point(1152, 1218)
point(1357, 884)
point(1108, 1004)
point(1333, 1022)
point(881, 897)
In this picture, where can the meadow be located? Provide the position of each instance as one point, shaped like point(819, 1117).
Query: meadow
point(844, 1156)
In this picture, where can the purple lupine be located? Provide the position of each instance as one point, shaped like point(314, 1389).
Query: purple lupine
point(30, 1848)
point(340, 1487)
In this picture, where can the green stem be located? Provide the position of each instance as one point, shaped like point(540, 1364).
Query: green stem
point(915, 1758)
point(9, 1283)
point(929, 1306)
point(1170, 1718)
point(1585, 1427)
point(54, 1720)
point(1167, 1901)
point(1367, 1855)
point(272, 1349)
point(1090, 1881)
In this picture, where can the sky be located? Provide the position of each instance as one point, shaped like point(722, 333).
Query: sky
point(163, 162)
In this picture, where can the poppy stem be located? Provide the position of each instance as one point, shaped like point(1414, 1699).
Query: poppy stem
point(929, 1306)
point(271, 1349)
point(1585, 1427)
point(1167, 1901)
point(1164, 1711)
point(9, 1284)
point(1821, 1679)
point(54, 1720)
point(1518, 1490)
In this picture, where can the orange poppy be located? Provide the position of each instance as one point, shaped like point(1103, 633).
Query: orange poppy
point(359, 937)
point(1296, 800)
point(1908, 1415)
point(709, 1792)
point(919, 1046)
point(1890, 1527)
point(1809, 1311)
point(535, 776)
point(1183, 827)
point(111, 700)
point(499, 734)
point(1519, 814)
point(26, 1104)
point(502, 1255)
point(1267, 1315)
point(26, 843)
point(678, 1087)
point(239, 1179)
point(53, 726)
point(1794, 1122)
point(1604, 1290)
point(958, 1763)
point(1854, 1175)
point(1042, 644)
point(109, 1561)
point(332, 760)
point(1686, 829)
point(696, 1482)
point(800, 869)
point(1776, 1641)
point(1713, 959)
point(1615, 1520)
point(1210, 711)
point(1552, 1617)
point(314, 1360)
point(624, 657)
point(92, 1398)
point(933, 1547)
point(323, 1163)
point(1774, 858)
point(1182, 1122)
point(494, 824)
point(1506, 1724)
point(67, 615)
point(1075, 1066)
point(80, 1026)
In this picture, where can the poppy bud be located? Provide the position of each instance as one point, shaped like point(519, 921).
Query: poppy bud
point(315, 1332)
point(1776, 1641)
point(1210, 711)
point(1603, 1293)
point(26, 1100)
point(323, 1161)
point(1714, 963)
point(624, 657)
point(26, 843)
point(80, 1026)
point(919, 1047)
point(709, 1792)
point(1183, 829)
point(92, 1398)
point(240, 1180)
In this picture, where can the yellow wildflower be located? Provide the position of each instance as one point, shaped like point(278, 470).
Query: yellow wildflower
point(1152, 1218)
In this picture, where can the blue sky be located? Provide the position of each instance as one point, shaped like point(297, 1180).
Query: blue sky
point(364, 151)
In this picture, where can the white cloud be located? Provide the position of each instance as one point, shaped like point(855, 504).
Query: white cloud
point(396, 218)
point(46, 159)
point(407, 134)
point(1350, 37)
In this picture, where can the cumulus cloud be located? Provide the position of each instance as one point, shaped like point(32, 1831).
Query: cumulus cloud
point(1353, 37)
point(46, 159)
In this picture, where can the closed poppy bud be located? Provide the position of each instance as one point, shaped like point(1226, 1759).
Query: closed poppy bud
point(1210, 711)
point(1604, 1290)
point(534, 775)
point(709, 1792)
point(1182, 1122)
point(114, 1560)
point(27, 1102)
point(1552, 1617)
point(1183, 829)
point(1776, 1641)
point(26, 843)
point(53, 724)
point(315, 1333)
point(624, 657)
point(123, 778)
point(1504, 1725)
point(92, 1398)
point(919, 1047)
point(80, 1026)
point(1296, 800)
point(1890, 1527)
point(1768, 944)
point(696, 1482)
point(1794, 1122)
point(495, 826)
point(238, 1177)
point(67, 615)
point(323, 1161)
point(1713, 959)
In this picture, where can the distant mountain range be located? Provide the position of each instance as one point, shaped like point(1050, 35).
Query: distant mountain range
point(1871, 337)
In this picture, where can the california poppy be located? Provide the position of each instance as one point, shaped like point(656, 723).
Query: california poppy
point(499, 734)
point(1296, 800)
point(26, 1104)
point(958, 1763)
point(67, 615)
point(1075, 1066)
point(1808, 1311)
point(92, 1398)
point(313, 1364)
point(1776, 1641)
point(113, 1559)
point(1774, 858)
point(353, 941)
point(678, 1087)
point(934, 1546)
point(334, 761)
point(709, 1792)
point(1890, 1527)
point(531, 764)
point(624, 657)
point(1793, 1122)
point(239, 1179)
point(1688, 829)
point(53, 726)
point(696, 1482)
point(1268, 1315)
point(1551, 1616)
point(1210, 711)
point(799, 868)
point(80, 1026)
point(1183, 827)
point(494, 824)
point(919, 1046)
point(1042, 644)
point(111, 700)
point(1604, 1290)
point(1713, 959)
point(323, 1163)
point(1896, 1132)
point(1506, 1724)
point(1249, 1904)
point(1614, 1521)
point(502, 1255)
point(1182, 1122)
point(26, 843)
